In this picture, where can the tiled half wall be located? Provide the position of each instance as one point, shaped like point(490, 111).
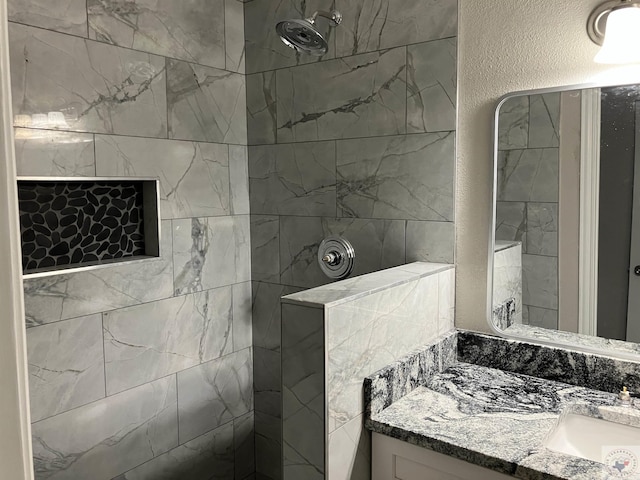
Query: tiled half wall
point(335, 336)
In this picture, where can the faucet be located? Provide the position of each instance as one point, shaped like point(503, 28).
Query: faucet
point(625, 396)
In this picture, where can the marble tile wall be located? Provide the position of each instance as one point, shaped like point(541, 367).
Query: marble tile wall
point(527, 199)
point(335, 336)
point(507, 284)
point(359, 143)
point(142, 371)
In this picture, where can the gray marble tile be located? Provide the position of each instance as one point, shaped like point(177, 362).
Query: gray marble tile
point(68, 16)
point(378, 244)
point(303, 392)
point(513, 123)
point(265, 248)
point(360, 96)
point(265, 50)
point(353, 288)
point(507, 280)
point(268, 446)
point(267, 381)
point(405, 177)
point(47, 152)
point(266, 314)
point(208, 457)
point(349, 451)
point(192, 31)
point(206, 104)
point(243, 443)
point(156, 339)
point(544, 120)
point(194, 177)
point(214, 393)
point(378, 24)
point(369, 333)
point(66, 365)
point(234, 35)
point(242, 323)
point(67, 83)
point(540, 281)
point(430, 241)
point(108, 437)
point(529, 175)
point(261, 107)
point(511, 222)
point(210, 252)
point(446, 301)
point(542, 228)
point(431, 86)
point(59, 297)
point(239, 178)
point(293, 179)
point(543, 317)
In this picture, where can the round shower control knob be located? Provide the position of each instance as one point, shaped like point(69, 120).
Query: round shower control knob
point(336, 257)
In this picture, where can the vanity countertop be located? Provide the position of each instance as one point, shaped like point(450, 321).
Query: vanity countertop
point(499, 420)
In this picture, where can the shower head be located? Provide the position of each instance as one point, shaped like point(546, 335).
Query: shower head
point(304, 36)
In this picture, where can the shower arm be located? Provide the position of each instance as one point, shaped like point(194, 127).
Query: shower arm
point(334, 17)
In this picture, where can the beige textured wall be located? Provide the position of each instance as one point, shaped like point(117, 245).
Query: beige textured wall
point(506, 46)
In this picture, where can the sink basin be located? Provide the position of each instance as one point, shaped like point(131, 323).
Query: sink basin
point(613, 444)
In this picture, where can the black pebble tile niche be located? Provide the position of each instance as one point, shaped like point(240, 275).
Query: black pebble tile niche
point(70, 223)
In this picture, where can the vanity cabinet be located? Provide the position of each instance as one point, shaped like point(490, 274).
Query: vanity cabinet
point(397, 460)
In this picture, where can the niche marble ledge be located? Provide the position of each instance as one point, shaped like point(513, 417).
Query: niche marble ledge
point(494, 418)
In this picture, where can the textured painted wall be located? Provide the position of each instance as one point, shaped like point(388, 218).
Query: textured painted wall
point(504, 47)
point(141, 371)
point(359, 143)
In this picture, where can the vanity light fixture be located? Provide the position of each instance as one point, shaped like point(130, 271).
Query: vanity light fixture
point(620, 20)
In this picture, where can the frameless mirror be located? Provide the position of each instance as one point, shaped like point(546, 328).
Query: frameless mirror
point(566, 257)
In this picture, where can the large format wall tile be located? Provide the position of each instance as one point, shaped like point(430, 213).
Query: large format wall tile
point(242, 320)
point(192, 31)
point(107, 437)
point(66, 367)
point(267, 313)
point(513, 123)
point(234, 35)
point(293, 179)
point(194, 177)
point(431, 86)
point(203, 458)
point(59, 297)
point(261, 108)
point(150, 341)
point(540, 281)
point(214, 393)
point(268, 446)
point(47, 152)
point(94, 87)
point(239, 179)
point(211, 252)
point(243, 445)
point(362, 337)
point(265, 248)
point(404, 177)
point(544, 120)
point(265, 50)
point(542, 228)
point(349, 451)
point(267, 381)
point(378, 244)
point(511, 222)
point(528, 175)
point(206, 104)
point(360, 96)
point(66, 16)
point(378, 24)
point(430, 241)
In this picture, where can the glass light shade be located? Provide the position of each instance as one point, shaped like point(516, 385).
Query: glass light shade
point(622, 37)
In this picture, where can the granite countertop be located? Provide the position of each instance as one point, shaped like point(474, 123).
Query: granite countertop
point(499, 420)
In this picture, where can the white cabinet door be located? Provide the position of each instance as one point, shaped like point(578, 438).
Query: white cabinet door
point(397, 460)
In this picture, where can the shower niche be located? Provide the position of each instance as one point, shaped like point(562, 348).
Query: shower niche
point(71, 224)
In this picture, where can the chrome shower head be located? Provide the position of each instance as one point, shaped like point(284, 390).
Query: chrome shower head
point(304, 36)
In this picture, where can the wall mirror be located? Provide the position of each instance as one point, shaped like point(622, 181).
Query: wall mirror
point(566, 249)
